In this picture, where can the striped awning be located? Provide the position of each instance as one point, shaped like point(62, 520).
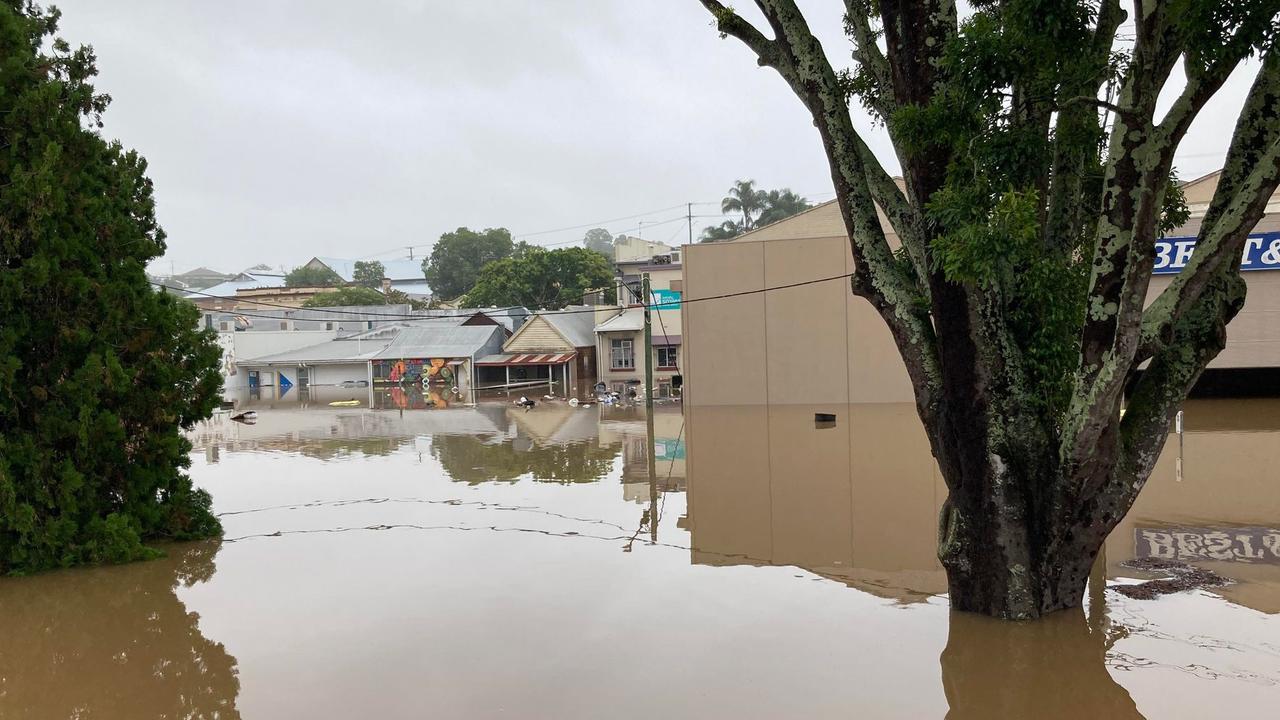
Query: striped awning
point(525, 359)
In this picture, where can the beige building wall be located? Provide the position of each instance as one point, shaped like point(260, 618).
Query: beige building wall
point(810, 344)
point(820, 343)
point(634, 248)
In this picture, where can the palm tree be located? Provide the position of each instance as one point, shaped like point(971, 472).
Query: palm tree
point(744, 198)
point(779, 205)
point(726, 230)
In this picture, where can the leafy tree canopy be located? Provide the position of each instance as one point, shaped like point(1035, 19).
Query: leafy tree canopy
point(456, 260)
point(757, 207)
point(306, 276)
point(99, 372)
point(368, 273)
point(601, 241)
point(541, 279)
point(354, 295)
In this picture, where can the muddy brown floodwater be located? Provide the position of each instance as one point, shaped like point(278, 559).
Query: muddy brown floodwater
point(412, 557)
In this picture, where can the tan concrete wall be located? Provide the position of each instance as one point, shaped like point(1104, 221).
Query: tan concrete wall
point(811, 344)
point(791, 346)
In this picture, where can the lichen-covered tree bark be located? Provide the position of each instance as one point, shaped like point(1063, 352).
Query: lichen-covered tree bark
point(1038, 174)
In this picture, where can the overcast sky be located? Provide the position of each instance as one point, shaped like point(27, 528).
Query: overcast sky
point(280, 130)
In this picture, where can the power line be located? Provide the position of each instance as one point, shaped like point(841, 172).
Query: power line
point(598, 222)
point(575, 311)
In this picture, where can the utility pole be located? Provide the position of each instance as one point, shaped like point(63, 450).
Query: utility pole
point(689, 216)
point(647, 295)
point(410, 249)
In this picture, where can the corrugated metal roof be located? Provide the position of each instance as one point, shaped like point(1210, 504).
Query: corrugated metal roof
point(628, 320)
point(354, 349)
point(578, 327)
point(440, 339)
point(228, 288)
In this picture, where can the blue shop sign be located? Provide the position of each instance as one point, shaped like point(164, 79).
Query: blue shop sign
point(1261, 252)
point(665, 299)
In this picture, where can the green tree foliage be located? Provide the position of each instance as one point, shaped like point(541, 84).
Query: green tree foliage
point(1036, 148)
point(758, 207)
point(306, 276)
point(744, 198)
point(368, 273)
point(780, 205)
point(727, 230)
point(354, 295)
point(456, 260)
point(601, 241)
point(99, 372)
point(541, 279)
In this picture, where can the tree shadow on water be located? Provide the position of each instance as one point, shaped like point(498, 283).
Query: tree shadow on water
point(112, 642)
point(1054, 667)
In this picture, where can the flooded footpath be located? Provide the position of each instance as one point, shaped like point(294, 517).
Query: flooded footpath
point(419, 557)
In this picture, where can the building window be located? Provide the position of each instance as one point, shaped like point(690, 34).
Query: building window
point(667, 357)
point(328, 326)
point(224, 326)
point(369, 325)
point(284, 324)
point(622, 355)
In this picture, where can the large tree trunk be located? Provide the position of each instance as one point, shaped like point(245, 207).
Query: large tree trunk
point(1012, 564)
point(1018, 381)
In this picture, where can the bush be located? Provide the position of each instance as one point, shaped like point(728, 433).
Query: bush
point(99, 372)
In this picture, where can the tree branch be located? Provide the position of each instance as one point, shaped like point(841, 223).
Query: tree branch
point(730, 23)
point(1249, 177)
point(1137, 173)
point(800, 59)
point(857, 22)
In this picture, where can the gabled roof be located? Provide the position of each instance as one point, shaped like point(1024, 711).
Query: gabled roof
point(251, 281)
point(576, 324)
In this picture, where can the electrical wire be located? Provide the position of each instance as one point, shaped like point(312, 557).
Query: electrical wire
point(575, 311)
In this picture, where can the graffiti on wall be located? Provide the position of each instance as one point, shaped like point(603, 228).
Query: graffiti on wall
point(413, 371)
point(1230, 544)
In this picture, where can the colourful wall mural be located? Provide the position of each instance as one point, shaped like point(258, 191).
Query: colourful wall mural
point(416, 370)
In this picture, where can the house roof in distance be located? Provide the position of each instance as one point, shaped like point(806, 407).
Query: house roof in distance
point(402, 269)
point(578, 325)
point(440, 339)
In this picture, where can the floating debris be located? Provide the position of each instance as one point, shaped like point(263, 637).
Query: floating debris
point(1183, 577)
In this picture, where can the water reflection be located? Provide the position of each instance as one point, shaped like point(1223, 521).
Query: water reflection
point(1055, 668)
point(483, 560)
point(856, 502)
point(472, 459)
point(113, 642)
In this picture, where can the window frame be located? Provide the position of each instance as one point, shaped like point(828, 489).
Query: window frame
point(673, 359)
point(620, 345)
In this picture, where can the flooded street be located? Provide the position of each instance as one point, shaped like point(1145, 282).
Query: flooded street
point(414, 557)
